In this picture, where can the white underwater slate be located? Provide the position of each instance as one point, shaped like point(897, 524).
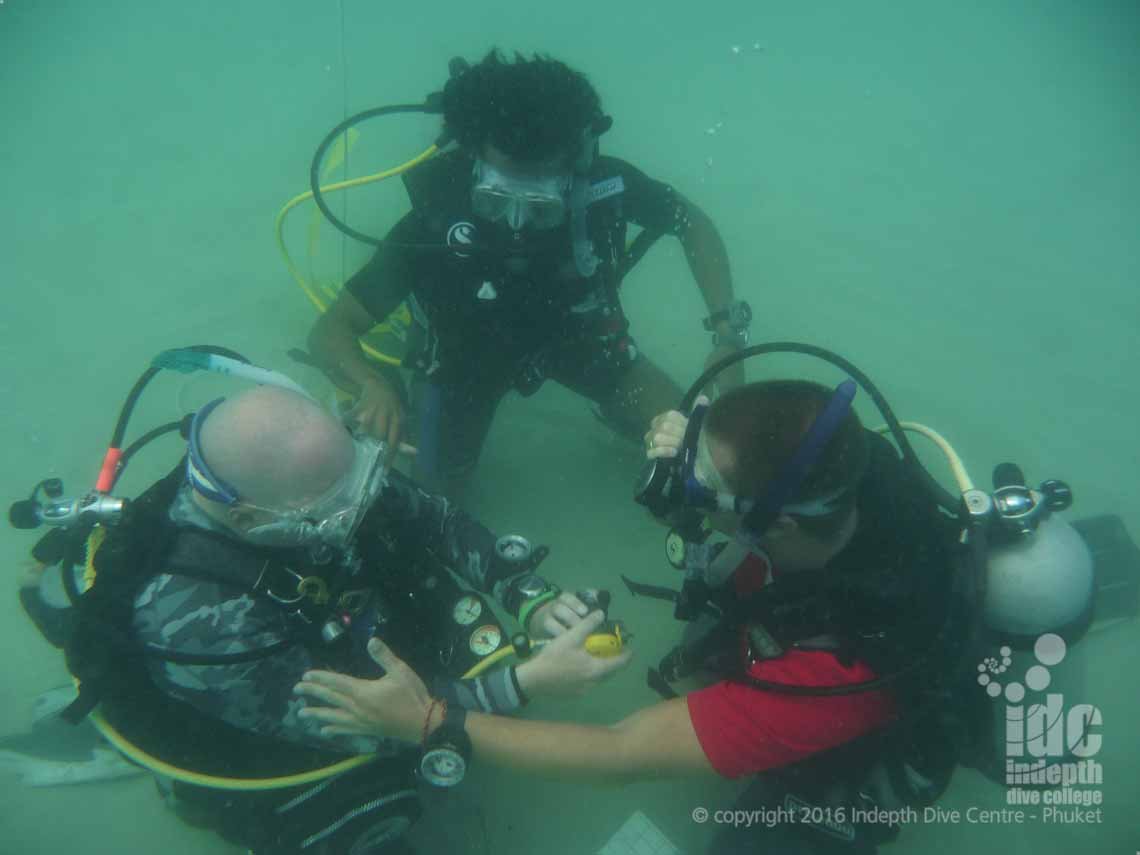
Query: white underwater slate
point(639, 836)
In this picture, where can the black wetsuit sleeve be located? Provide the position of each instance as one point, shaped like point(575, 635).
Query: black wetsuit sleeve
point(385, 280)
point(646, 202)
point(416, 520)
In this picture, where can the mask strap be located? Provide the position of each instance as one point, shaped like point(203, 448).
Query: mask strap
point(198, 472)
point(694, 491)
point(584, 258)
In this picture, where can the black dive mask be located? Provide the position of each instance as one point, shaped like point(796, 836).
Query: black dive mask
point(672, 491)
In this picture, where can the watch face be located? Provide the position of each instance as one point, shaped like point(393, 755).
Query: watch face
point(675, 549)
point(743, 314)
point(467, 610)
point(443, 766)
point(485, 640)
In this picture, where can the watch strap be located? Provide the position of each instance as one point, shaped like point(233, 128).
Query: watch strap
point(738, 314)
point(715, 318)
point(455, 718)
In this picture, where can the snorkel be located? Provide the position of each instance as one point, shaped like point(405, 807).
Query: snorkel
point(673, 492)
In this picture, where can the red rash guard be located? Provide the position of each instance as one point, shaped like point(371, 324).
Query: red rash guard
point(745, 730)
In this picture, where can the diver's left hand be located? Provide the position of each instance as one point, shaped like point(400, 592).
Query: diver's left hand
point(395, 705)
point(732, 376)
point(562, 613)
point(564, 667)
point(666, 432)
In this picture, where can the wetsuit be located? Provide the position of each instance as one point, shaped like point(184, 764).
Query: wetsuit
point(506, 318)
point(192, 641)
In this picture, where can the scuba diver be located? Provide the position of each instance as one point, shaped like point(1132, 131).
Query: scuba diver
point(837, 634)
point(511, 261)
point(282, 542)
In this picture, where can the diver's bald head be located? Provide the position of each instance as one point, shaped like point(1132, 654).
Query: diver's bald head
point(276, 448)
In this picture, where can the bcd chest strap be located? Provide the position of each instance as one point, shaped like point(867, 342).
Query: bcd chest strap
point(308, 595)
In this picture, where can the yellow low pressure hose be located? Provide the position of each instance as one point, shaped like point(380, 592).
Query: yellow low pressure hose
point(160, 767)
point(311, 291)
point(957, 467)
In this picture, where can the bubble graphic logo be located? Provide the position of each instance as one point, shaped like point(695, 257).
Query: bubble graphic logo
point(1046, 743)
point(1049, 650)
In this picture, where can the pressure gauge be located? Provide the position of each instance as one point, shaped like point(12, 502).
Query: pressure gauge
point(485, 640)
point(513, 548)
point(675, 549)
point(467, 610)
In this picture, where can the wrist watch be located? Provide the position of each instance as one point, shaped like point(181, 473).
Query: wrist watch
point(447, 751)
point(738, 316)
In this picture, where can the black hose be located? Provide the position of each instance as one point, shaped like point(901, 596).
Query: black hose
point(943, 497)
point(322, 149)
point(132, 399)
point(833, 691)
point(146, 438)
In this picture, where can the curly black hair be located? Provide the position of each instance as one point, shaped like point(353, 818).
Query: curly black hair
point(529, 109)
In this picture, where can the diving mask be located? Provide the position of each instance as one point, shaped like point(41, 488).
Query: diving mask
point(330, 519)
point(677, 488)
point(518, 200)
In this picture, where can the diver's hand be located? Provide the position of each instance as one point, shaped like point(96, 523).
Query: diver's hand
point(564, 667)
point(552, 619)
point(395, 705)
point(379, 411)
point(667, 432)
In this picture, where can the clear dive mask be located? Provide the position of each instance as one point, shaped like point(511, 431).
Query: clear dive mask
point(330, 519)
point(518, 201)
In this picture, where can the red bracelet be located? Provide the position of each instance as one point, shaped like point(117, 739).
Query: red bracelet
point(442, 704)
point(427, 722)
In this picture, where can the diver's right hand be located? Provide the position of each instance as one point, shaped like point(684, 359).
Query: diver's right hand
point(379, 411)
point(564, 667)
point(395, 705)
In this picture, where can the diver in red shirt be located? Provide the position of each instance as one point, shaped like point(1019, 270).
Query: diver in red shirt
point(840, 649)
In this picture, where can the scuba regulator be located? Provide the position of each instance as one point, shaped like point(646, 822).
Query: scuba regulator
point(1012, 514)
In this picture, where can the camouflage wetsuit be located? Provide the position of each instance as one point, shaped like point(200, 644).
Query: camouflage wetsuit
point(199, 616)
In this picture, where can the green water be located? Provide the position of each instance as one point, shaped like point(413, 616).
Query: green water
point(946, 193)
